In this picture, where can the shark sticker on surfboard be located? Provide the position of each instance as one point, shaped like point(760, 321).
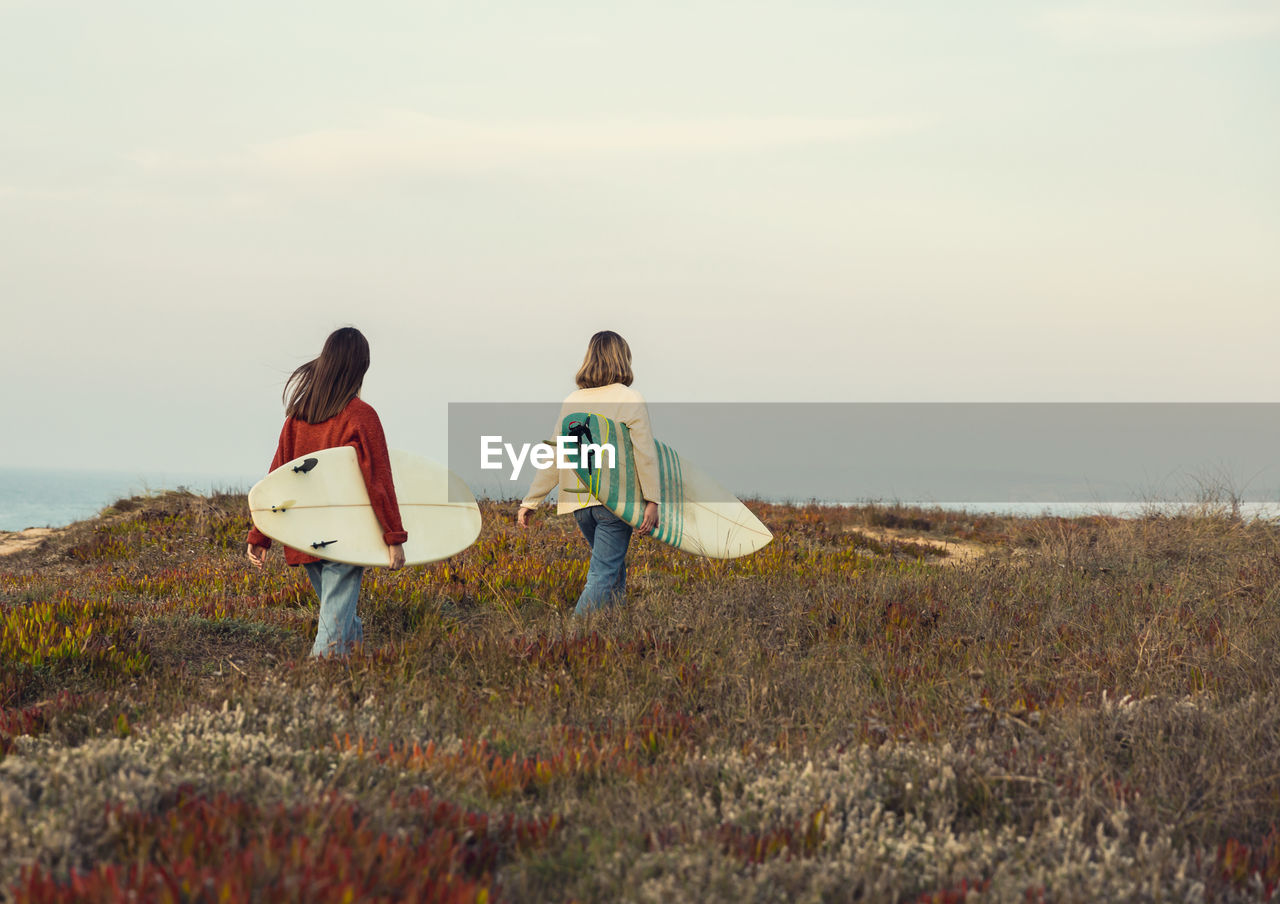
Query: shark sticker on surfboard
point(318, 504)
point(696, 514)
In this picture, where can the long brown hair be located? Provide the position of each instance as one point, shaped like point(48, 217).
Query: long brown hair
point(321, 388)
point(608, 361)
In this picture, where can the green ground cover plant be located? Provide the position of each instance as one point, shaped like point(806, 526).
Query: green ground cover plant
point(1083, 709)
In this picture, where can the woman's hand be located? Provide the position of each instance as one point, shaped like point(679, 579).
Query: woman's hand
point(257, 555)
point(522, 516)
point(395, 556)
point(650, 519)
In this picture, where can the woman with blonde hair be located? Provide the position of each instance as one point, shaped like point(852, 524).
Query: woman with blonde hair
point(604, 388)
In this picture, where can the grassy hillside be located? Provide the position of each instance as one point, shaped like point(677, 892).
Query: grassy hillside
point(882, 705)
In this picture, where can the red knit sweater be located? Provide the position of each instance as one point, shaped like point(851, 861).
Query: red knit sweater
point(356, 425)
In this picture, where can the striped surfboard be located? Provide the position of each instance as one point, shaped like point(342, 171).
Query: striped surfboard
point(696, 514)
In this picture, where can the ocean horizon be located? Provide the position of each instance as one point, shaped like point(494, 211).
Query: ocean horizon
point(35, 497)
point(39, 497)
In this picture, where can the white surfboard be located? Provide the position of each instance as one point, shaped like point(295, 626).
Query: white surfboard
point(696, 514)
point(318, 504)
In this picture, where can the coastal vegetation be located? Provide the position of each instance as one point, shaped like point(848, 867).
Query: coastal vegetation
point(884, 704)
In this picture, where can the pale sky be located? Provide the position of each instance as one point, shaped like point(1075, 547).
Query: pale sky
point(772, 201)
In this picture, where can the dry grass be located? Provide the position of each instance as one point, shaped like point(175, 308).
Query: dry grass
point(1087, 711)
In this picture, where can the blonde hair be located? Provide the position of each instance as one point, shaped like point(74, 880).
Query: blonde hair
point(608, 360)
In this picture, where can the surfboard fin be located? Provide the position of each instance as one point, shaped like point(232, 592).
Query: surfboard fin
point(307, 465)
point(321, 544)
point(580, 431)
point(284, 506)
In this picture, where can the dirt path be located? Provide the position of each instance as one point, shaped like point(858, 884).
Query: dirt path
point(958, 552)
point(13, 542)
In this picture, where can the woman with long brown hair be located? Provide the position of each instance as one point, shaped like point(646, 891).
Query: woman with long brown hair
point(324, 410)
point(604, 387)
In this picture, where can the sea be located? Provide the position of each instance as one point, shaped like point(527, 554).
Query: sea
point(35, 497)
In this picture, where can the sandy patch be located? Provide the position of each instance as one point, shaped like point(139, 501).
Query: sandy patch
point(958, 552)
point(13, 542)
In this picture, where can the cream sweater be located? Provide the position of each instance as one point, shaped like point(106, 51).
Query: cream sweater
point(616, 402)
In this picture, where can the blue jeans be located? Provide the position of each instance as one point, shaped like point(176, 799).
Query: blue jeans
point(338, 587)
point(609, 537)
